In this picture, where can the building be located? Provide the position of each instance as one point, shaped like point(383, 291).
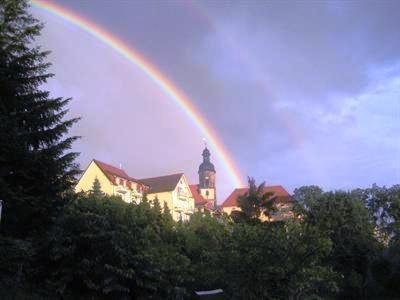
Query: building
point(173, 191)
point(114, 182)
point(284, 202)
point(205, 193)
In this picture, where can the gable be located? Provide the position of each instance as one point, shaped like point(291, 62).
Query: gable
point(112, 172)
point(183, 187)
point(92, 172)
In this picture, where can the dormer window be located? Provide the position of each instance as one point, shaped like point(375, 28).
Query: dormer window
point(121, 181)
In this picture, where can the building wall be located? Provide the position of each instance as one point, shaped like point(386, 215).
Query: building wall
point(207, 179)
point(165, 197)
point(183, 200)
point(228, 210)
point(180, 201)
point(127, 194)
point(283, 212)
point(211, 193)
point(85, 183)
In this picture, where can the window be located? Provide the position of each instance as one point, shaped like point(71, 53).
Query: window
point(121, 181)
point(207, 193)
point(180, 191)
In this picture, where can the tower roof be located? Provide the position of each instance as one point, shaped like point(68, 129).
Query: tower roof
point(206, 152)
point(206, 165)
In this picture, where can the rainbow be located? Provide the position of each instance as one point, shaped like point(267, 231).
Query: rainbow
point(155, 75)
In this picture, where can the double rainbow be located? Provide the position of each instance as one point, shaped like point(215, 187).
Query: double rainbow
point(155, 75)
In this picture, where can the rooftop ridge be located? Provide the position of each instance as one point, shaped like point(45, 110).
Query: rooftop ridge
point(113, 170)
point(168, 175)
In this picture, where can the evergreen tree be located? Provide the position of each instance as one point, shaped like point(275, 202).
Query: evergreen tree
point(96, 188)
point(166, 209)
point(167, 216)
point(35, 164)
point(156, 205)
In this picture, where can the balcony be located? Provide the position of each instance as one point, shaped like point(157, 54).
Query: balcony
point(121, 190)
point(189, 211)
point(179, 209)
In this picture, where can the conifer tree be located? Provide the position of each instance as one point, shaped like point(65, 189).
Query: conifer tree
point(36, 167)
point(166, 209)
point(96, 188)
point(156, 204)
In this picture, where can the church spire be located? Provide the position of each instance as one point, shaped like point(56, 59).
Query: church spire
point(206, 185)
point(206, 170)
point(206, 165)
point(206, 155)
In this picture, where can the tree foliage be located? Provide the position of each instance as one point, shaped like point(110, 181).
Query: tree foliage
point(345, 221)
point(276, 261)
point(362, 227)
point(96, 188)
point(254, 203)
point(35, 167)
point(104, 247)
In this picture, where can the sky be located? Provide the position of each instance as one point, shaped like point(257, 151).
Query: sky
point(299, 92)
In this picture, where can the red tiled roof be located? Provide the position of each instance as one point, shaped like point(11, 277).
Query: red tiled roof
point(277, 191)
point(198, 198)
point(111, 172)
point(161, 184)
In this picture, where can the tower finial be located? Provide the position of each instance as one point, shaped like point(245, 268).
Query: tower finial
point(205, 142)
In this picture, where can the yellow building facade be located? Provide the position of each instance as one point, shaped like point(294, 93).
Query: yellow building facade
point(114, 182)
point(171, 190)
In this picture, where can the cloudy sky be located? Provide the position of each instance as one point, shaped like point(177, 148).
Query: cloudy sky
point(300, 92)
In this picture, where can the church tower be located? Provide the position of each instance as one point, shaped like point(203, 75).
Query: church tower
point(207, 179)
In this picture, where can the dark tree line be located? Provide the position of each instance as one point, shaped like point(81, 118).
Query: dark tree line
point(101, 247)
point(56, 244)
